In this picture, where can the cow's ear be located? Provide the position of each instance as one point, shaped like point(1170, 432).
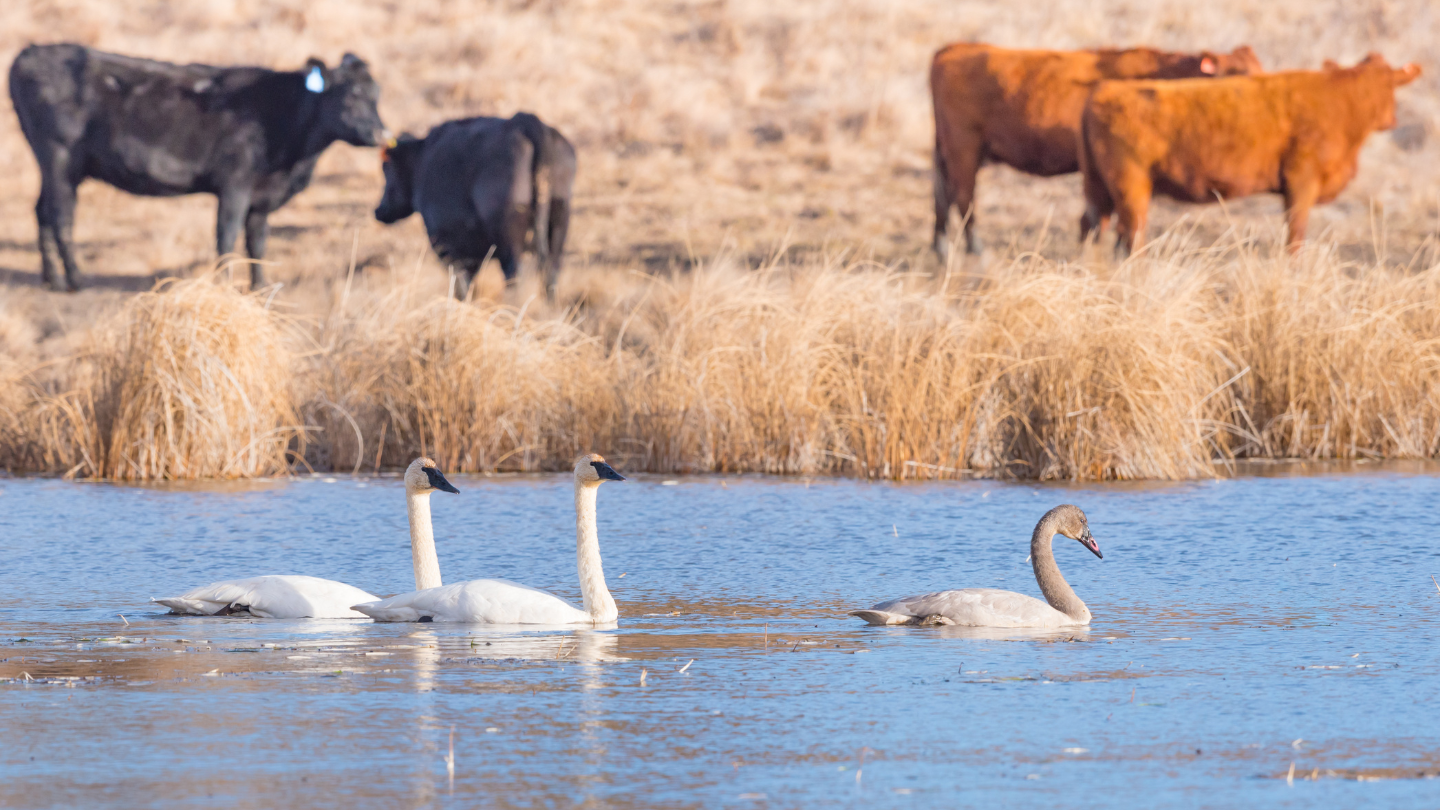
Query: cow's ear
point(1207, 65)
point(1407, 74)
point(1330, 64)
point(1372, 58)
point(350, 60)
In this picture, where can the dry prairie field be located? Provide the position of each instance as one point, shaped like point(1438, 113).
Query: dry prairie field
point(748, 283)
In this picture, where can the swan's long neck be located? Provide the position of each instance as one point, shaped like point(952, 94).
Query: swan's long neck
point(598, 602)
point(1052, 583)
point(422, 541)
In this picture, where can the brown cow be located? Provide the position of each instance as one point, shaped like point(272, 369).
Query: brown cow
point(1023, 108)
point(1298, 134)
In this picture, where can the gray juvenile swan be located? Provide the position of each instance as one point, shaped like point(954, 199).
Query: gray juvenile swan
point(989, 607)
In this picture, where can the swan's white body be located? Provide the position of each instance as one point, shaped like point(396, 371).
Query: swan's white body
point(499, 601)
point(300, 597)
point(990, 607)
point(972, 607)
point(478, 601)
point(271, 597)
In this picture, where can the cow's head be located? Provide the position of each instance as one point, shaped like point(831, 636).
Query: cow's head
point(1380, 81)
point(398, 160)
point(1239, 62)
point(348, 95)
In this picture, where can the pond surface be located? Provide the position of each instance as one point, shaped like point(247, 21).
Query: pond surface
point(1240, 626)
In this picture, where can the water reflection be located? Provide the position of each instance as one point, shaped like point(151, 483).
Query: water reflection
point(997, 633)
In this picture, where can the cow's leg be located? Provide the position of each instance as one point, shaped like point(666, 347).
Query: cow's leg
point(56, 214)
point(514, 222)
point(65, 241)
point(943, 202)
point(509, 257)
point(559, 227)
point(1099, 205)
point(1301, 192)
point(1131, 192)
point(50, 273)
point(465, 273)
point(229, 216)
point(257, 229)
point(960, 161)
point(1093, 221)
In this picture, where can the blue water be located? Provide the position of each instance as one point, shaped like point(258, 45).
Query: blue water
point(1240, 626)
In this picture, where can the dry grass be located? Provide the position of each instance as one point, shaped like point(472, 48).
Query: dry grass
point(192, 380)
point(1153, 369)
point(748, 282)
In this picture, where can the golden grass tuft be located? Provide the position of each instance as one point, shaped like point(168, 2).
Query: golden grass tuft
point(475, 387)
point(192, 380)
point(1345, 361)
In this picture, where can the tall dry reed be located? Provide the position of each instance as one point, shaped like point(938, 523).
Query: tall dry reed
point(1155, 369)
point(191, 380)
point(1344, 361)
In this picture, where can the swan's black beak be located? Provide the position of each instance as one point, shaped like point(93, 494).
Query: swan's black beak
point(1089, 542)
point(437, 480)
point(606, 472)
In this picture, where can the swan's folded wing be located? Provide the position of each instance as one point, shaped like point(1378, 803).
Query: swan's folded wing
point(477, 601)
point(207, 600)
point(273, 597)
point(191, 607)
point(882, 617)
point(978, 607)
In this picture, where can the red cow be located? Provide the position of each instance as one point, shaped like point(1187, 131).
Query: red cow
point(1298, 134)
point(1022, 108)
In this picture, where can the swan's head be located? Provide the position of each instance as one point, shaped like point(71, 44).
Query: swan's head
point(1072, 524)
point(422, 476)
point(592, 469)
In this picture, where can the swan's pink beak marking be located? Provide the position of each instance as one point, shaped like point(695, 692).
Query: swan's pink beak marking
point(1089, 542)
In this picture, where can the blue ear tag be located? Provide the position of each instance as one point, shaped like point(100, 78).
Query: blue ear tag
point(314, 81)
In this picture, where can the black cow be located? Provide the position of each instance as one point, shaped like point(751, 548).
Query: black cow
point(481, 184)
point(248, 135)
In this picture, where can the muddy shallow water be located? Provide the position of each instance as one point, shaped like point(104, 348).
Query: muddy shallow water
point(1240, 626)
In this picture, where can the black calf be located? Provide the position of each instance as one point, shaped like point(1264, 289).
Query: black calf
point(482, 184)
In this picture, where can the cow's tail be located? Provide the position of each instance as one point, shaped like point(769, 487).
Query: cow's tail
point(542, 187)
point(942, 175)
point(1099, 203)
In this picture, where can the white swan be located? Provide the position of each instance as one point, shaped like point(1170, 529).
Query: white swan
point(499, 601)
point(989, 607)
point(299, 597)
